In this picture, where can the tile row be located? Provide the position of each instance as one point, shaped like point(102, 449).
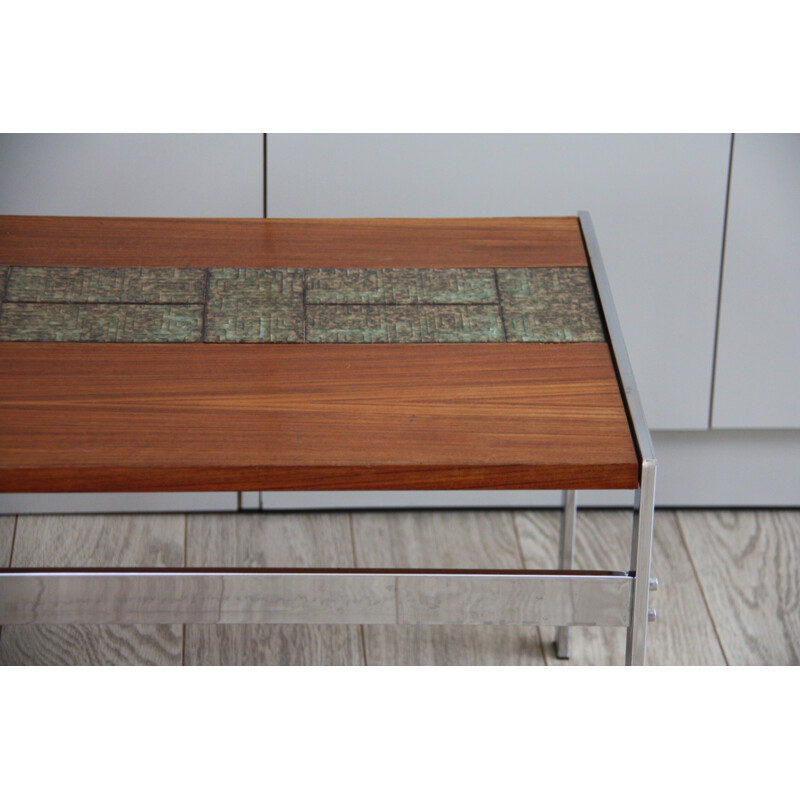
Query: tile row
point(297, 305)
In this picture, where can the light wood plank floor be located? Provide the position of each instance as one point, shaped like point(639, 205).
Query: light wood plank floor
point(102, 540)
point(729, 584)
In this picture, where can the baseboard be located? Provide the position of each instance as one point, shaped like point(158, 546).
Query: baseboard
point(117, 502)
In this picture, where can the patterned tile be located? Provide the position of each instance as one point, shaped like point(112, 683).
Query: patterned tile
point(293, 305)
point(73, 322)
point(549, 305)
point(106, 285)
point(255, 305)
point(400, 286)
point(403, 323)
point(257, 284)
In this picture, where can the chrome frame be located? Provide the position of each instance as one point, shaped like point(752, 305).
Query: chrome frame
point(644, 502)
point(353, 596)
point(563, 597)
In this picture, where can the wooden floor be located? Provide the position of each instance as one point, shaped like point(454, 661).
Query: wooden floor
point(729, 584)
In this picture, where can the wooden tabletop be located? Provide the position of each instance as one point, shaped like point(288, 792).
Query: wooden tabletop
point(164, 355)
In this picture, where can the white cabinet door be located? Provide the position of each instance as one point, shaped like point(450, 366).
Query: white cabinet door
point(657, 202)
point(757, 381)
point(136, 175)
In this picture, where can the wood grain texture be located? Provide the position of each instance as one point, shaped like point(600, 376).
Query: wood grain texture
point(271, 540)
point(684, 632)
point(747, 562)
point(7, 523)
point(7, 526)
point(114, 540)
point(104, 417)
point(435, 540)
point(142, 242)
point(456, 539)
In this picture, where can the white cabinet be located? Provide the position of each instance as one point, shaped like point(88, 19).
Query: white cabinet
point(757, 382)
point(657, 202)
point(147, 175)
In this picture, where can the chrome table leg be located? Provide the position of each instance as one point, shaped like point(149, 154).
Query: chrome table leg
point(566, 558)
point(641, 551)
point(644, 506)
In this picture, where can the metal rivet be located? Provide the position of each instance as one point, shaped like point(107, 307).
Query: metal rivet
point(653, 584)
point(651, 615)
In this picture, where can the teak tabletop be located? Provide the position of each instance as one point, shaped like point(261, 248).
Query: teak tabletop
point(206, 355)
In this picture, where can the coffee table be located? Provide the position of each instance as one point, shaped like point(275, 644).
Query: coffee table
point(247, 355)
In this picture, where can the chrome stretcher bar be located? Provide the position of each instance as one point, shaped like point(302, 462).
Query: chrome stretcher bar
point(561, 598)
point(417, 597)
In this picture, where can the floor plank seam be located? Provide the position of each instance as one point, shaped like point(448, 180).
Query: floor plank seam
point(13, 541)
point(11, 550)
point(525, 566)
point(700, 585)
point(355, 565)
point(787, 611)
point(519, 541)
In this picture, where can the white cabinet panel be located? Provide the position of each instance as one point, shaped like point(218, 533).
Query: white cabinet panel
point(156, 175)
point(657, 202)
point(758, 361)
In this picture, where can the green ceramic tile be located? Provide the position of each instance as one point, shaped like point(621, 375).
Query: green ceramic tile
point(293, 305)
point(284, 286)
point(73, 322)
point(400, 286)
point(235, 320)
point(255, 305)
point(106, 285)
point(403, 323)
point(549, 305)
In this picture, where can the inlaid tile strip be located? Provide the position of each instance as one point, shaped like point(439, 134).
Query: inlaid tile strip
point(287, 305)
